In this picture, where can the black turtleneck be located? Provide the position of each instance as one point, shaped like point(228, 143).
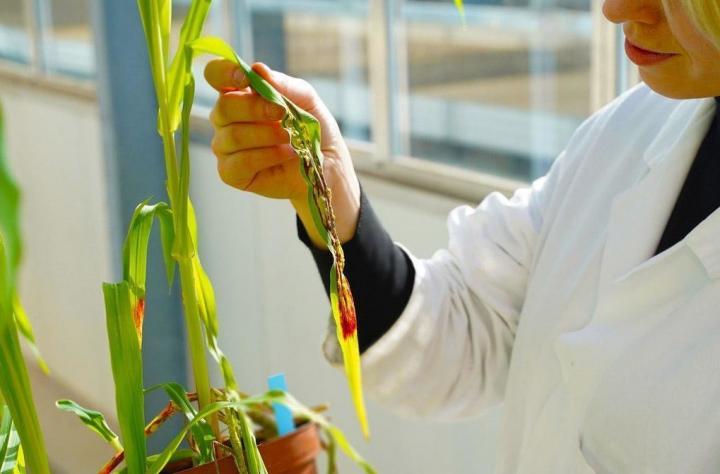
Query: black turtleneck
point(700, 195)
point(381, 275)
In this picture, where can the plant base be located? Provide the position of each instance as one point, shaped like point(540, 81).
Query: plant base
point(294, 453)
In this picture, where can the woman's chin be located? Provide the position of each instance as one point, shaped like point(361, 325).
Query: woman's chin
point(673, 87)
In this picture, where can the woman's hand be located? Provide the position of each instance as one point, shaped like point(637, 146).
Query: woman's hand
point(254, 153)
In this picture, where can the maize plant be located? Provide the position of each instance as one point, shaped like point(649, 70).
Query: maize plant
point(21, 439)
point(304, 132)
point(125, 305)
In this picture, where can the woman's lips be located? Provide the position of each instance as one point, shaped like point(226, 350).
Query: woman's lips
point(643, 57)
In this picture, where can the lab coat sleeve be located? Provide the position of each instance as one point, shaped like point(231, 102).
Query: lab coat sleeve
point(447, 356)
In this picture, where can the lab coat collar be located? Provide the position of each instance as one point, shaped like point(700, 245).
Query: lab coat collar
point(704, 240)
point(686, 127)
point(639, 214)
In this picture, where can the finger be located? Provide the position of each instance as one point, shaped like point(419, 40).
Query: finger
point(243, 136)
point(244, 106)
point(224, 75)
point(240, 168)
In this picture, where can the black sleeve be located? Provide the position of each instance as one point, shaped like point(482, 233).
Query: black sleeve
point(380, 273)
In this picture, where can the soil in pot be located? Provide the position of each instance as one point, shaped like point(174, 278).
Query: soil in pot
point(294, 453)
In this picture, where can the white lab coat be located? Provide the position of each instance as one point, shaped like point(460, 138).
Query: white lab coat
point(607, 360)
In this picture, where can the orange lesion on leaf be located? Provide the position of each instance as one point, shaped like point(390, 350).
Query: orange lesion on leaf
point(348, 318)
point(138, 315)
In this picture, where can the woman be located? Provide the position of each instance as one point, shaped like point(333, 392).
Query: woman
point(588, 302)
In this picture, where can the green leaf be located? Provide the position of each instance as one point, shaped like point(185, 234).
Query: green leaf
point(208, 410)
point(26, 330)
point(179, 454)
point(9, 442)
point(14, 380)
point(185, 243)
point(205, 295)
point(5, 427)
point(135, 252)
point(93, 420)
point(167, 236)
point(330, 430)
point(10, 232)
point(201, 432)
point(180, 67)
point(255, 463)
point(9, 218)
point(241, 406)
point(126, 361)
point(135, 248)
point(165, 21)
point(218, 47)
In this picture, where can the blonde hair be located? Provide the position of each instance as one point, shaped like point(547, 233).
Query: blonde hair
point(706, 15)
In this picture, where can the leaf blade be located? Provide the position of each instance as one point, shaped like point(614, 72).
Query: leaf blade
point(14, 379)
point(201, 432)
point(93, 420)
point(26, 330)
point(126, 361)
point(135, 253)
point(9, 216)
point(10, 450)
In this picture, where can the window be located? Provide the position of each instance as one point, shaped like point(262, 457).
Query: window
point(52, 36)
point(325, 43)
point(502, 95)
point(14, 40)
point(414, 90)
point(66, 37)
point(215, 25)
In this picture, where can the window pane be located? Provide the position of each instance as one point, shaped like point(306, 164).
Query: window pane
point(68, 37)
point(323, 42)
point(503, 95)
point(14, 40)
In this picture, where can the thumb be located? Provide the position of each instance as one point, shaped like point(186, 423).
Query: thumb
point(297, 90)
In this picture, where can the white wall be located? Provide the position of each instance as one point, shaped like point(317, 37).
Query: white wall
point(271, 302)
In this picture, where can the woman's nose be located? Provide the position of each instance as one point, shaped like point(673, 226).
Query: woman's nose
point(641, 11)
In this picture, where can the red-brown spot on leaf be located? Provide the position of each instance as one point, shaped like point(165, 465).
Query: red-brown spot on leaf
point(348, 318)
point(138, 315)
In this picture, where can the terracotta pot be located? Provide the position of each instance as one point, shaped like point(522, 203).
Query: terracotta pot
point(294, 453)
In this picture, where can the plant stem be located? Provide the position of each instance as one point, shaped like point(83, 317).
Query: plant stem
point(187, 277)
point(195, 339)
point(170, 152)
